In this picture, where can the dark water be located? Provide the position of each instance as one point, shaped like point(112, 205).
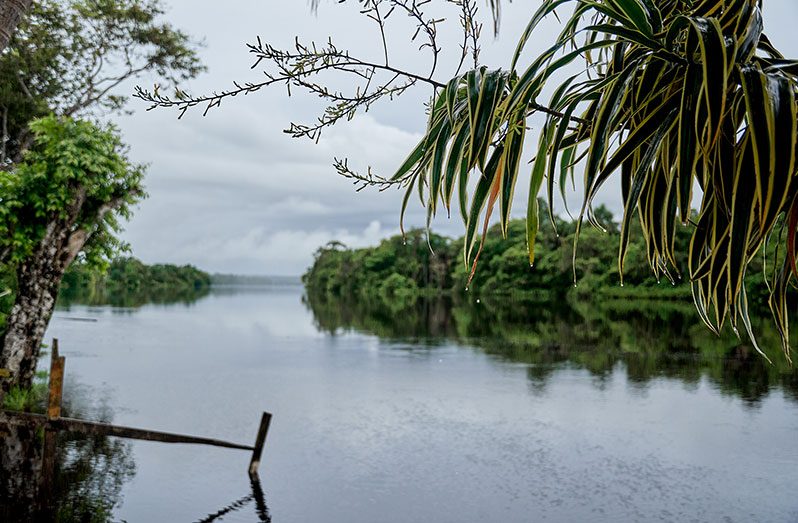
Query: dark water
point(432, 411)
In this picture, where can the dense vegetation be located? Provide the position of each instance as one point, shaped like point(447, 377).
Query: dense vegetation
point(129, 282)
point(401, 268)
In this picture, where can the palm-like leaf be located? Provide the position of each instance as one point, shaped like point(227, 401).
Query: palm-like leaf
point(674, 93)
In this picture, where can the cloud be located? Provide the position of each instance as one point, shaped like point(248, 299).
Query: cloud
point(276, 250)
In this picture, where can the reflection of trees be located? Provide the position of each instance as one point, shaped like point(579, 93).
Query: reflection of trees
point(647, 339)
point(84, 483)
point(20, 473)
point(66, 477)
point(90, 475)
point(136, 298)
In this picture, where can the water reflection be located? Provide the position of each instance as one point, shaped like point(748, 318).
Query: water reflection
point(65, 477)
point(648, 340)
point(61, 477)
point(129, 300)
point(256, 499)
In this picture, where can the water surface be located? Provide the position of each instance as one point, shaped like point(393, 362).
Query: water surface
point(438, 411)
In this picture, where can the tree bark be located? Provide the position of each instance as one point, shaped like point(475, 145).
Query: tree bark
point(38, 280)
point(11, 13)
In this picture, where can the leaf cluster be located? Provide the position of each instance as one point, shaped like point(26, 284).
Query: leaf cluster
point(672, 95)
point(76, 175)
point(68, 56)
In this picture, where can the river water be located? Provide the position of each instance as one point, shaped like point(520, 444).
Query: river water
point(434, 412)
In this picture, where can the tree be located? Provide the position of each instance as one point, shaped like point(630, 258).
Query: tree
point(68, 56)
point(671, 93)
point(11, 12)
point(64, 63)
point(65, 199)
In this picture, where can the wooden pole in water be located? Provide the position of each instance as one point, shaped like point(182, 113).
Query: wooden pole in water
point(261, 439)
point(56, 388)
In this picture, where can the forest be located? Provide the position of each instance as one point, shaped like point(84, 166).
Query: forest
point(130, 282)
point(418, 263)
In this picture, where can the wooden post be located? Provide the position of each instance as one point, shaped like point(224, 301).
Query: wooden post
point(56, 383)
point(261, 439)
point(56, 388)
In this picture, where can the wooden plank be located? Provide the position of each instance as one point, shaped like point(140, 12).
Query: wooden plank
point(259, 441)
point(106, 429)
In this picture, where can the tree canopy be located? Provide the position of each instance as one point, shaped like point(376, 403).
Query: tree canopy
point(69, 56)
point(77, 173)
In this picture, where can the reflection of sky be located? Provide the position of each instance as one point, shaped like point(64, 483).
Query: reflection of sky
point(232, 193)
point(367, 430)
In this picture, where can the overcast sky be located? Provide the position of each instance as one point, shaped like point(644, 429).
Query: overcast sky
point(231, 192)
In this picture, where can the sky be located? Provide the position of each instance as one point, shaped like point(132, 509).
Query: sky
point(230, 192)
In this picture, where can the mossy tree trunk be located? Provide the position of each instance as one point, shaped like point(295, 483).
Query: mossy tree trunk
point(38, 281)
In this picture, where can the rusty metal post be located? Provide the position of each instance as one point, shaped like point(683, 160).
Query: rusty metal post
point(261, 439)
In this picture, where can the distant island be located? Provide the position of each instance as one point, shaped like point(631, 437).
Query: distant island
point(421, 264)
point(128, 281)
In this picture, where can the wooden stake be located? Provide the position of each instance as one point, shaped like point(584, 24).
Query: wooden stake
point(261, 439)
point(56, 383)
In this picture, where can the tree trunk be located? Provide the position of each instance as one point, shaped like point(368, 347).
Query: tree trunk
point(11, 13)
point(38, 280)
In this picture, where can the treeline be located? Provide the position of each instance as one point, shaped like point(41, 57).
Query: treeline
point(130, 282)
point(430, 264)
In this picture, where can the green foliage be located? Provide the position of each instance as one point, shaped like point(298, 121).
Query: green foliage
point(672, 94)
point(397, 267)
point(68, 55)
point(666, 95)
point(30, 399)
point(77, 174)
point(129, 282)
point(395, 270)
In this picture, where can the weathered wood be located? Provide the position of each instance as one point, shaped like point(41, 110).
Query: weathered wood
point(48, 462)
point(259, 441)
point(106, 429)
point(56, 388)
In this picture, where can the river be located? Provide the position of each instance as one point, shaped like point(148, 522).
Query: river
point(436, 412)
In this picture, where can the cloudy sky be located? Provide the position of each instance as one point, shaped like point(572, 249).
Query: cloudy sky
point(231, 192)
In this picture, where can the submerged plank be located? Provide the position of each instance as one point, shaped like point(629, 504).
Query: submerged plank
point(106, 429)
